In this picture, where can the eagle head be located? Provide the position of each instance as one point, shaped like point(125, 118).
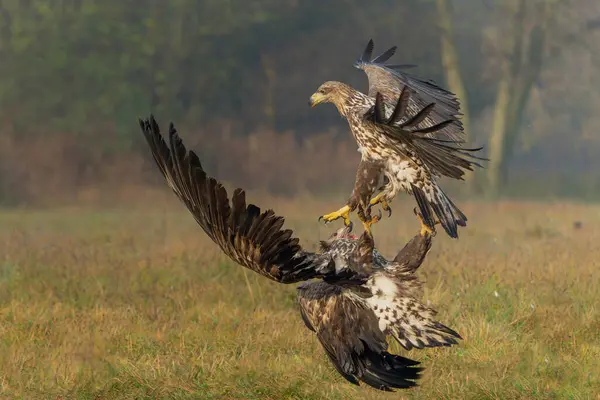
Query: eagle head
point(331, 92)
point(343, 233)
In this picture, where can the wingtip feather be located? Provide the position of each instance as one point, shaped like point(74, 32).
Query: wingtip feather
point(368, 52)
point(386, 55)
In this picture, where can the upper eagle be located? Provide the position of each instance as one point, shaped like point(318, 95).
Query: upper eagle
point(360, 297)
point(408, 132)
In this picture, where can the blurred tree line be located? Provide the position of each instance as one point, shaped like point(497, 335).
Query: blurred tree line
point(82, 71)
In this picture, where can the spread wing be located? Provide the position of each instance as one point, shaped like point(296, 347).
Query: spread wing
point(394, 301)
point(251, 238)
point(411, 323)
point(428, 157)
point(389, 80)
point(442, 157)
point(410, 258)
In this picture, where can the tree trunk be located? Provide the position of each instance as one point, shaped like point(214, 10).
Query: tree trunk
point(518, 77)
point(498, 137)
point(451, 65)
point(514, 90)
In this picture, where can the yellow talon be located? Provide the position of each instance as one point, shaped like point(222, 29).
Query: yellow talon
point(425, 229)
point(343, 212)
point(377, 199)
point(380, 199)
point(367, 224)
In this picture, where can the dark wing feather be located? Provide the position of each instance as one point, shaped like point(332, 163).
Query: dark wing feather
point(389, 80)
point(253, 239)
point(413, 253)
point(442, 157)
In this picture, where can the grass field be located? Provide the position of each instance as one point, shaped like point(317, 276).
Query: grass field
point(137, 303)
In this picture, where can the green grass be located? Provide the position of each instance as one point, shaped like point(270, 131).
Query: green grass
point(127, 304)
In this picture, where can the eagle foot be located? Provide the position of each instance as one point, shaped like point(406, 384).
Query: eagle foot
point(425, 229)
point(343, 212)
point(368, 221)
point(384, 205)
point(379, 199)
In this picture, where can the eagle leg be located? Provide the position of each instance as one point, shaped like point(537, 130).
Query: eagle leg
point(425, 229)
point(380, 199)
point(343, 212)
point(367, 220)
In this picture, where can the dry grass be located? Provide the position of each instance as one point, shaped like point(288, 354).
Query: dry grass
point(136, 303)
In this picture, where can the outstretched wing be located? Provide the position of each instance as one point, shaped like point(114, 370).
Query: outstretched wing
point(251, 238)
point(442, 157)
point(348, 331)
point(410, 258)
point(389, 80)
point(394, 301)
point(428, 157)
point(411, 323)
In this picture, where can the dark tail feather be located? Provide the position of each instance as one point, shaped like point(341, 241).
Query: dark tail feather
point(447, 212)
point(349, 377)
point(385, 371)
point(378, 369)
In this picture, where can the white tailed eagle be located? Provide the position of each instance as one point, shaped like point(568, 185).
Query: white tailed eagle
point(359, 297)
point(408, 133)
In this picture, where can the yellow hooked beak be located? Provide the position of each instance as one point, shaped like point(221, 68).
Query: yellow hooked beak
point(315, 99)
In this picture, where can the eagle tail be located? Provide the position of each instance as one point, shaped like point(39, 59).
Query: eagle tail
point(380, 370)
point(432, 201)
point(384, 371)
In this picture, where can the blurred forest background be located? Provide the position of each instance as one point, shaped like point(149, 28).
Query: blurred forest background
point(235, 77)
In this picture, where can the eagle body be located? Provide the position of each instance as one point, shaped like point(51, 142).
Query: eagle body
point(352, 322)
point(398, 161)
point(350, 296)
point(407, 131)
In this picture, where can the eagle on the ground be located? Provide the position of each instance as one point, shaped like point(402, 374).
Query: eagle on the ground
point(408, 133)
point(360, 297)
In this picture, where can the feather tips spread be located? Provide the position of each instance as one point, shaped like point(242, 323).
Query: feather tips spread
point(252, 238)
point(390, 79)
point(419, 156)
point(342, 310)
point(411, 323)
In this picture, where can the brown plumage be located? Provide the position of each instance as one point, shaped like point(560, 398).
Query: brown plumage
point(360, 297)
point(408, 133)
